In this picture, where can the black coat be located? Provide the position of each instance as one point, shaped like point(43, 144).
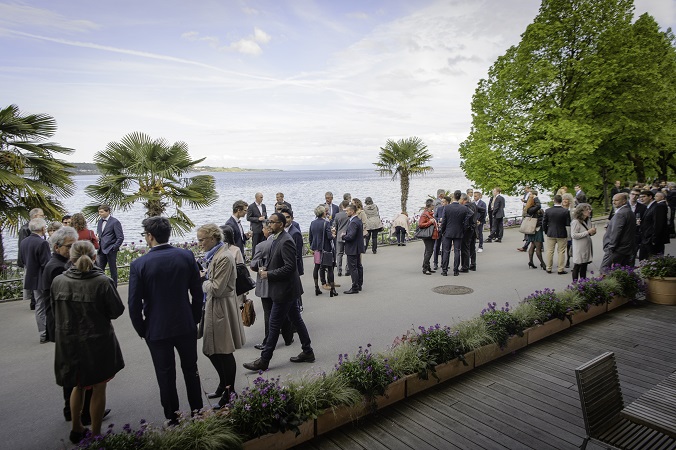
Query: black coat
point(36, 255)
point(283, 279)
point(87, 351)
point(556, 219)
point(239, 238)
point(354, 237)
point(456, 220)
point(55, 267)
point(252, 215)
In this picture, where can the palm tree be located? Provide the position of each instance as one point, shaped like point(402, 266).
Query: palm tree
point(139, 168)
point(30, 175)
point(404, 158)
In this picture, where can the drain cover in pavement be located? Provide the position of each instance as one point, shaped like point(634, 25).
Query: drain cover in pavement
point(452, 290)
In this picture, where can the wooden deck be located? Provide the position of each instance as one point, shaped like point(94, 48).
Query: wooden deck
point(525, 400)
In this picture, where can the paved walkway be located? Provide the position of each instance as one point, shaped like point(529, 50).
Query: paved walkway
point(396, 297)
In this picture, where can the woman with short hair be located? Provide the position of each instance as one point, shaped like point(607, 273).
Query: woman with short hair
point(87, 352)
point(79, 222)
point(581, 230)
point(373, 224)
point(223, 329)
point(321, 240)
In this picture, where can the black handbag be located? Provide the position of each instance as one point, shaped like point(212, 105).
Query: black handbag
point(327, 256)
point(424, 233)
point(244, 281)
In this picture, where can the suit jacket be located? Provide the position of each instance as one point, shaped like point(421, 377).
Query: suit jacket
point(159, 283)
point(252, 215)
point(499, 207)
point(662, 223)
point(456, 219)
point(481, 210)
point(320, 236)
point(580, 197)
point(297, 236)
point(621, 232)
point(260, 259)
point(340, 221)
point(24, 232)
point(354, 237)
point(110, 239)
point(239, 238)
point(654, 225)
point(555, 221)
point(36, 255)
point(283, 279)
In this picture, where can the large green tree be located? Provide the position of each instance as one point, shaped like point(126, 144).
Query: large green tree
point(140, 169)
point(575, 101)
point(404, 158)
point(30, 174)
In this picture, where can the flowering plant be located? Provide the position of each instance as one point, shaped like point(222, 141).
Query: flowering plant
point(549, 305)
point(628, 278)
point(267, 407)
point(368, 372)
point(658, 267)
point(440, 343)
point(591, 292)
point(501, 324)
point(128, 438)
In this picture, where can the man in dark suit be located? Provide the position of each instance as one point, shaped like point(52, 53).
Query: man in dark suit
point(256, 214)
point(109, 230)
point(23, 233)
point(331, 209)
point(455, 221)
point(238, 211)
point(554, 224)
point(661, 223)
point(354, 247)
point(340, 222)
point(284, 288)
point(498, 212)
point(468, 251)
point(293, 228)
point(439, 217)
point(481, 211)
point(618, 242)
point(653, 225)
point(281, 203)
point(163, 314)
point(580, 196)
point(36, 254)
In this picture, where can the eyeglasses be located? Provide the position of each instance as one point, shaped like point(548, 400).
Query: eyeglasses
point(144, 234)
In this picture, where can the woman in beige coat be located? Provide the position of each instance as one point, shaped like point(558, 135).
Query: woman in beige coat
point(223, 329)
point(581, 230)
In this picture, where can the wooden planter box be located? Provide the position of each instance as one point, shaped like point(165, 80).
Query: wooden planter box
point(445, 372)
point(617, 302)
point(281, 441)
point(546, 329)
point(345, 414)
point(488, 353)
point(593, 311)
point(662, 290)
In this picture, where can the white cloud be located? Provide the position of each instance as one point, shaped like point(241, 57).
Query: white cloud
point(249, 45)
point(18, 16)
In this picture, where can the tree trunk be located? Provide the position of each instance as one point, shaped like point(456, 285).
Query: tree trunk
point(404, 190)
point(2, 254)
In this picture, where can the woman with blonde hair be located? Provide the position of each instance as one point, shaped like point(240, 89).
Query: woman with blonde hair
point(321, 240)
point(362, 216)
point(568, 202)
point(581, 230)
point(373, 224)
point(87, 352)
point(79, 222)
point(223, 329)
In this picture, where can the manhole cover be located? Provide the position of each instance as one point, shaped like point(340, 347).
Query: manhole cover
point(452, 290)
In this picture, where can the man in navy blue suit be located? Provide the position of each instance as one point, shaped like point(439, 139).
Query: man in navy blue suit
point(109, 230)
point(455, 221)
point(239, 211)
point(36, 255)
point(354, 247)
point(165, 315)
point(331, 209)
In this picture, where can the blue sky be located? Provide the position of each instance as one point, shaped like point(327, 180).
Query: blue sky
point(261, 84)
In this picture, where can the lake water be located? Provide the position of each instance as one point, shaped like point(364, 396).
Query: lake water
point(304, 189)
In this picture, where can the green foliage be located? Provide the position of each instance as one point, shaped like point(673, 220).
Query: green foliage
point(404, 158)
point(527, 314)
point(586, 96)
point(630, 283)
point(266, 407)
point(312, 394)
point(407, 357)
point(150, 171)
point(549, 305)
point(210, 432)
point(500, 323)
point(440, 343)
point(472, 334)
point(658, 267)
point(367, 372)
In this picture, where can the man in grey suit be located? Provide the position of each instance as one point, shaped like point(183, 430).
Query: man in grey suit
point(456, 220)
point(554, 224)
point(109, 230)
point(340, 222)
point(618, 243)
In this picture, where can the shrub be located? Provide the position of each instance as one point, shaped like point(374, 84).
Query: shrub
point(592, 292)
point(368, 372)
point(312, 394)
point(549, 305)
point(439, 343)
point(630, 282)
point(127, 439)
point(472, 334)
point(209, 432)
point(658, 267)
point(500, 323)
point(406, 357)
point(526, 313)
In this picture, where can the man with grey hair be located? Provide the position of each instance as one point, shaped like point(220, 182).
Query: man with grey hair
point(35, 252)
point(24, 232)
point(618, 242)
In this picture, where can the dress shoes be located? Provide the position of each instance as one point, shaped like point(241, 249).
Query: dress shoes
point(76, 436)
point(520, 249)
point(32, 306)
point(436, 267)
point(214, 395)
point(303, 357)
point(444, 274)
point(472, 268)
point(359, 288)
point(549, 271)
point(340, 273)
point(287, 343)
point(464, 270)
point(256, 365)
point(456, 273)
point(259, 346)
point(498, 240)
point(351, 291)
point(563, 272)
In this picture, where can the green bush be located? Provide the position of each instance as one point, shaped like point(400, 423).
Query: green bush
point(312, 394)
point(368, 372)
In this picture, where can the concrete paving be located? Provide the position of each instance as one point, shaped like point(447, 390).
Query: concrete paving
point(396, 297)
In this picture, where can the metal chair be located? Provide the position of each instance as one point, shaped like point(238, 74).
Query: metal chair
point(598, 384)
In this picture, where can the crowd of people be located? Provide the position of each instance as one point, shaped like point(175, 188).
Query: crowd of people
point(176, 299)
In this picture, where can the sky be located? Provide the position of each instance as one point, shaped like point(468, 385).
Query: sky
point(275, 84)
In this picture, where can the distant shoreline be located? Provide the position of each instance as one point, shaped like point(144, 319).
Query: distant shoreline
point(91, 169)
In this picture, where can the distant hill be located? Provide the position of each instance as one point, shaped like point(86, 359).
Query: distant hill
point(91, 169)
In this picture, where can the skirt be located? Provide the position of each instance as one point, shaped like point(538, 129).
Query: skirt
point(539, 236)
